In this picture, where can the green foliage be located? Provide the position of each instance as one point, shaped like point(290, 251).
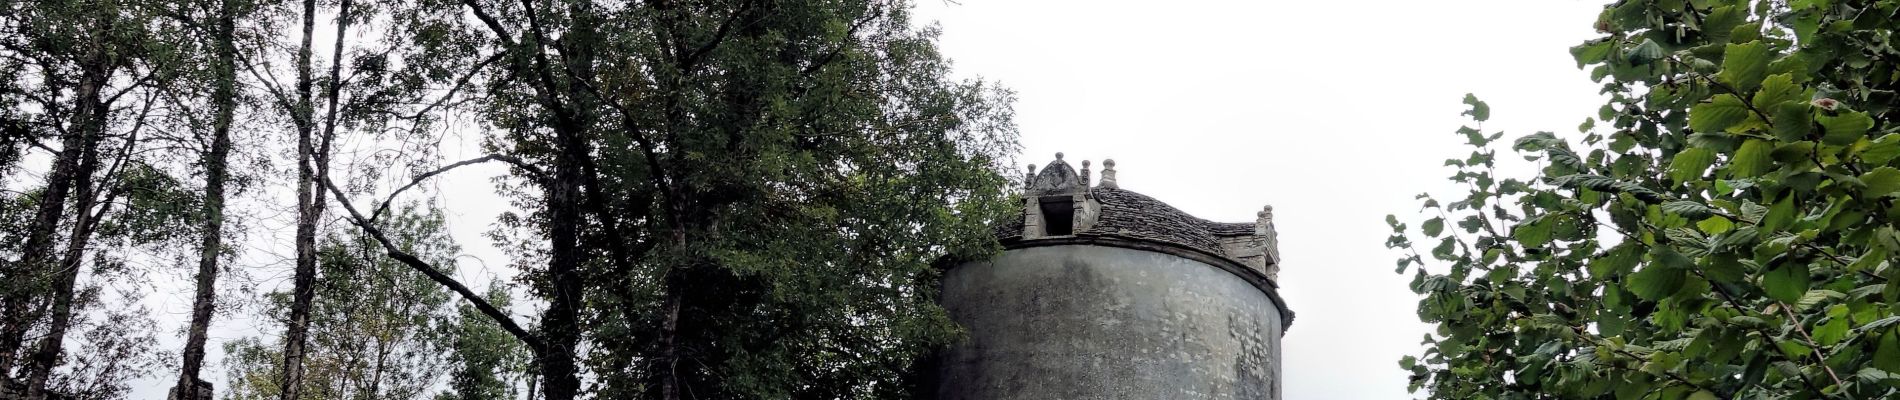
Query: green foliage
point(483, 357)
point(378, 329)
point(770, 185)
point(1731, 235)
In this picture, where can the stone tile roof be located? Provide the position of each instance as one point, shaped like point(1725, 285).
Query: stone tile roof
point(1129, 215)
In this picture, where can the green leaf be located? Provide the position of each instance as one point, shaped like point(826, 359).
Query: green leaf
point(1753, 159)
point(1793, 121)
point(1703, 395)
point(1607, 184)
point(1446, 250)
point(1592, 52)
point(1715, 225)
point(1787, 282)
point(1777, 90)
point(1881, 181)
point(1779, 215)
point(1793, 349)
point(1845, 128)
point(1433, 227)
point(1717, 115)
point(1744, 65)
point(1831, 332)
point(1533, 232)
point(1688, 209)
point(1479, 111)
point(1619, 260)
point(1656, 281)
point(1872, 376)
point(1882, 150)
point(1689, 164)
point(1646, 52)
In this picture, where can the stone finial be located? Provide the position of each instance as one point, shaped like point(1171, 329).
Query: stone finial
point(1269, 240)
point(1108, 173)
point(1263, 221)
point(1031, 176)
point(1085, 173)
point(1054, 179)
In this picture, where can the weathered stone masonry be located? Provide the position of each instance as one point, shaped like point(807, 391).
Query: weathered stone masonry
point(1104, 293)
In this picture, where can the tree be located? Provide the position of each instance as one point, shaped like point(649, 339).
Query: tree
point(224, 99)
point(483, 356)
point(749, 195)
point(80, 76)
point(1731, 235)
point(377, 329)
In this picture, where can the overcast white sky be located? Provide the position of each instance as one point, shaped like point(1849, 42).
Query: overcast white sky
point(1336, 113)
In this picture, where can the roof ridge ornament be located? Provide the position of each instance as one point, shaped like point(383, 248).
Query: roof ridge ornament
point(1085, 173)
point(1269, 240)
point(1108, 174)
point(1057, 178)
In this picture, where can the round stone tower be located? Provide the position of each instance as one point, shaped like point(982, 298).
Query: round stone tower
point(1104, 293)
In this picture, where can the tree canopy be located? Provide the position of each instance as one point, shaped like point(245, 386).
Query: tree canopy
point(721, 199)
point(1723, 227)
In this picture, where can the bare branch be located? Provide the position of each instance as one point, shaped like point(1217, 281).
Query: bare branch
point(493, 24)
point(501, 318)
point(517, 162)
point(459, 84)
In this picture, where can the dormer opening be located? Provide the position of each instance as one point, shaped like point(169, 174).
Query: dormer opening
point(1058, 215)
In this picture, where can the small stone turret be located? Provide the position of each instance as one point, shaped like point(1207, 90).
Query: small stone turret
point(1107, 293)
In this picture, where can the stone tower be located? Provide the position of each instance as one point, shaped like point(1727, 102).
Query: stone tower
point(1104, 293)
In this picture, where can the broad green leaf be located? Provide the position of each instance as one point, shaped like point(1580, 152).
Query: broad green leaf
point(1592, 52)
point(1815, 297)
point(1779, 215)
point(1717, 115)
point(1882, 150)
point(1752, 160)
point(1786, 282)
point(1831, 332)
point(1619, 260)
point(1715, 225)
point(1688, 209)
point(1646, 52)
point(1845, 128)
point(1657, 280)
point(1744, 65)
point(1793, 349)
point(1793, 121)
point(1703, 395)
point(1881, 181)
point(1776, 91)
point(1479, 111)
point(1446, 250)
point(1433, 227)
point(1690, 163)
point(1606, 184)
point(1533, 232)
point(1871, 376)
point(1722, 20)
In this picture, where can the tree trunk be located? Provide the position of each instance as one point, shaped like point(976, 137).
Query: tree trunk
point(309, 203)
point(90, 115)
point(560, 325)
point(225, 97)
point(36, 262)
point(566, 204)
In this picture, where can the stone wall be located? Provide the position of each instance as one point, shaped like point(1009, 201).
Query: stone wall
point(1099, 322)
